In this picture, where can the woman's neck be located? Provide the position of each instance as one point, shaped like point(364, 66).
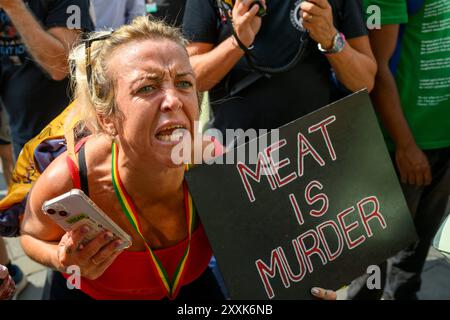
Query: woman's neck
point(148, 183)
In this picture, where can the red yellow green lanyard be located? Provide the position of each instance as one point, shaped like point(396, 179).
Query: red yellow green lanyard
point(171, 285)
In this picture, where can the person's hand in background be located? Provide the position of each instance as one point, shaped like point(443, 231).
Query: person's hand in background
point(7, 285)
point(245, 20)
point(318, 20)
point(413, 165)
point(324, 294)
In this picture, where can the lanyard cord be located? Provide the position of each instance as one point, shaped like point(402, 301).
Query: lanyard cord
point(172, 286)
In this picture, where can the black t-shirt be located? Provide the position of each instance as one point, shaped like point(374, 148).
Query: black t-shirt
point(171, 11)
point(271, 102)
point(30, 96)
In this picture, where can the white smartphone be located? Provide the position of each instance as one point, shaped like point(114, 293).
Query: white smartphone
point(74, 208)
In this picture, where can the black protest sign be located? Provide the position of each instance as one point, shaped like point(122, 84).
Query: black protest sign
point(328, 208)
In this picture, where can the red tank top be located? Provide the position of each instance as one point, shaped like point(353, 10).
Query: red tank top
point(131, 276)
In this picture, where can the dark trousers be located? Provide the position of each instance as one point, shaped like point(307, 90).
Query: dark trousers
point(17, 147)
point(429, 205)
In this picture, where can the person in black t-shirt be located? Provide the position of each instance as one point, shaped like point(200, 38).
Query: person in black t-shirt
point(241, 97)
point(35, 39)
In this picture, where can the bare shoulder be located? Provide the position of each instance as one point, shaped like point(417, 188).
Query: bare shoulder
point(54, 181)
point(98, 149)
point(57, 180)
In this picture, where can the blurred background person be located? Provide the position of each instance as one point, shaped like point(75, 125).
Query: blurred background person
point(6, 151)
point(263, 72)
point(113, 14)
point(34, 87)
point(413, 105)
point(37, 36)
point(171, 11)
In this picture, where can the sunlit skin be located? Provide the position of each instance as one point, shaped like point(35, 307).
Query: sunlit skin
point(155, 88)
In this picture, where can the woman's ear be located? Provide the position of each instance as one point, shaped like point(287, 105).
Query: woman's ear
point(107, 125)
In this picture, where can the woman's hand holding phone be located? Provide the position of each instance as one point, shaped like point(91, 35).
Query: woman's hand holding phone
point(93, 258)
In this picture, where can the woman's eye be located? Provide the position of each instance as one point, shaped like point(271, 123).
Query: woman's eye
point(184, 84)
point(146, 89)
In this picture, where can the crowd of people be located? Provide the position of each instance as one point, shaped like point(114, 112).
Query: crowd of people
point(263, 65)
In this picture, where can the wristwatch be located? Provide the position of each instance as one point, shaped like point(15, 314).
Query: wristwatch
point(338, 44)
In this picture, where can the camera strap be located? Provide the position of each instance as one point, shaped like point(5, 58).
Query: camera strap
point(261, 71)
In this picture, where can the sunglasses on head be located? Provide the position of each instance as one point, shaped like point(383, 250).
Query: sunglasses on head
point(87, 52)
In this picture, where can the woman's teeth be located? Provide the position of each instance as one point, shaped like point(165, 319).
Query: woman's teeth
point(174, 137)
point(171, 134)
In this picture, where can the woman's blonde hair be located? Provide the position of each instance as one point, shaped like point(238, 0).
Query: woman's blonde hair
point(98, 99)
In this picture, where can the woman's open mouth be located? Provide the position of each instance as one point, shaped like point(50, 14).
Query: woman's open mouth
point(171, 133)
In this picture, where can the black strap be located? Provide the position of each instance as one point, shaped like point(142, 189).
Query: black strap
point(250, 58)
point(246, 82)
point(82, 168)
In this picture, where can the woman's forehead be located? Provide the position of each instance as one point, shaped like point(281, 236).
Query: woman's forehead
point(151, 55)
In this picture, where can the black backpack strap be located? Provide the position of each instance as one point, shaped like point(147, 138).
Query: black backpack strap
point(82, 167)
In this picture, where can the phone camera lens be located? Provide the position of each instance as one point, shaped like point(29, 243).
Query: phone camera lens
point(51, 211)
point(63, 213)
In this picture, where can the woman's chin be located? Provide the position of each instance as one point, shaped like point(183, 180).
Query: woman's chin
point(173, 152)
point(169, 163)
point(169, 156)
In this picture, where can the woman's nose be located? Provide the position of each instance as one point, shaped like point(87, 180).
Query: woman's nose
point(171, 101)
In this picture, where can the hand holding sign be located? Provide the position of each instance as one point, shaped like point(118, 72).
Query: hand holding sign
point(324, 294)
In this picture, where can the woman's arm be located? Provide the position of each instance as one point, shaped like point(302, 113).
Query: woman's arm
point(54, 181)
point(43, 252)
point(46, 243)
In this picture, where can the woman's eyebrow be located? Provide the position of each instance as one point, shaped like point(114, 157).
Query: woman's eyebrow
point(183, 74)
point(149, 76)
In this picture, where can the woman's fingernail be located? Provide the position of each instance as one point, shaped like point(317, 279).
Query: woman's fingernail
point(118, 244)
point(108, 235)
point(85, 229)
point(315, 291)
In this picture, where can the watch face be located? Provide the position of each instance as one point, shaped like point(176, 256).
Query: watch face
point(340, 41)
point(338, 44)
